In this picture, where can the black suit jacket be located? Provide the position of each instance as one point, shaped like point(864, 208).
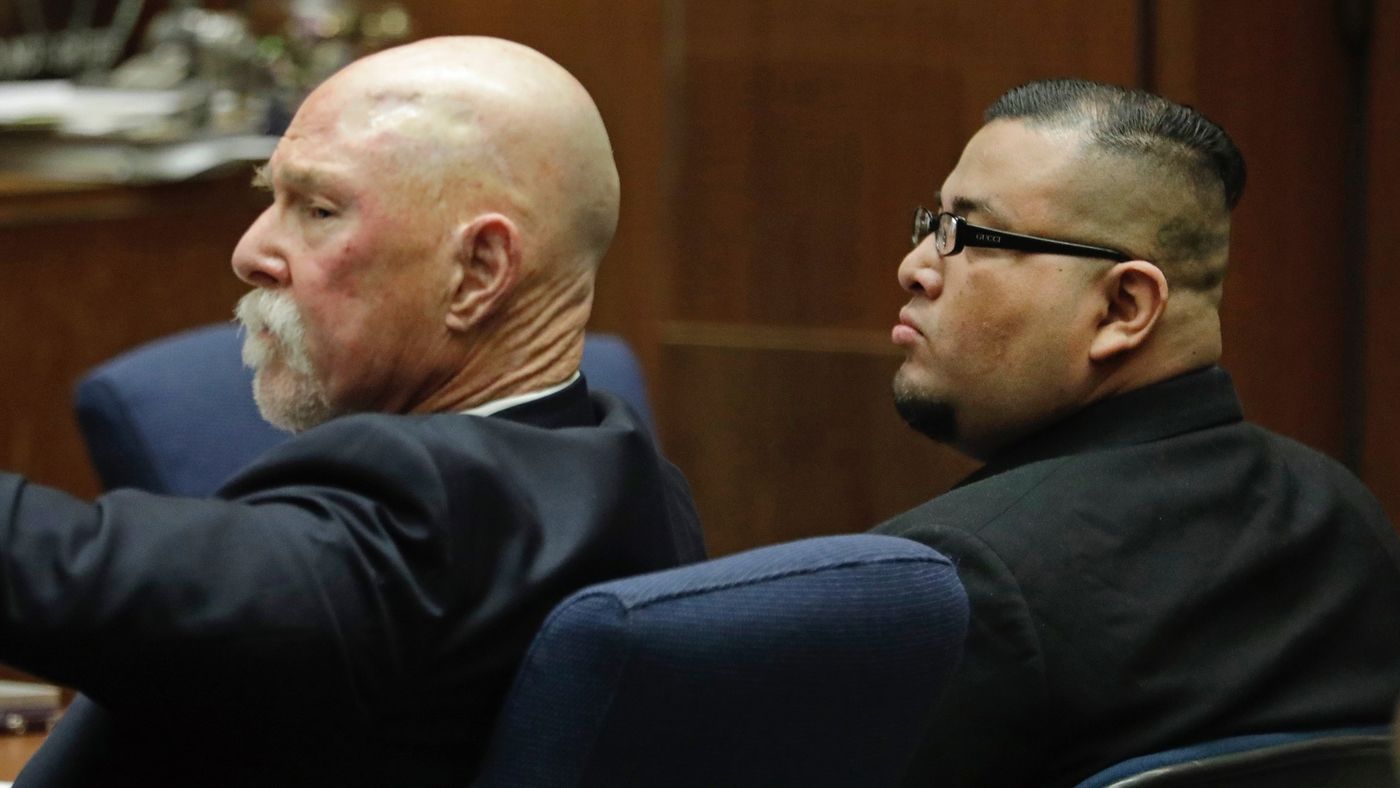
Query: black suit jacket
point(1154, 572)
point(352, 609)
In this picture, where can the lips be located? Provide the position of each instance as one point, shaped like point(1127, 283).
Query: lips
point(905, 332)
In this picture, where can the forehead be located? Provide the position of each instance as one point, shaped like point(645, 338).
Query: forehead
point(328, 145)
point(315, 145)
point(401, 138)
point(1012, 172)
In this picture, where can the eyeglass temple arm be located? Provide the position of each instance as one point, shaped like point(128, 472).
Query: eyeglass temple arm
point(1026, 243)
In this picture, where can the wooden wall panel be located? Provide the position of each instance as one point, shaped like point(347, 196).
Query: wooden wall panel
point(1271, 74)
point(96, 275)
point(788, 442)
point(1381, 448)
point(812, 129)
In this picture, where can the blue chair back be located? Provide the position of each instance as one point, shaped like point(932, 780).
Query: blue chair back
point(610, 365)
point(813, 663)
point(177, 415)
point(1344, 758)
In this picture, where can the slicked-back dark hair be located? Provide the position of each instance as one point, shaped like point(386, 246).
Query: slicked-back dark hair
point(1176, 145)
point(1132, 122)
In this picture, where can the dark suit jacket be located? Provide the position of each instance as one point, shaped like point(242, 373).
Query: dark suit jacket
point(353, 609)
point(1153, 572)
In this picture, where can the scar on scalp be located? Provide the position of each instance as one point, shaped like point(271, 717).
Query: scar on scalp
point(392, 110)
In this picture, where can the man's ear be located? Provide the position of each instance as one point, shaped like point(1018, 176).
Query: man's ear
point(1136, 295)
point(487, 266)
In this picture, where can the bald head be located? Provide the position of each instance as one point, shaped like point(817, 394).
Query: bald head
point(439, 212)
point(471, 123)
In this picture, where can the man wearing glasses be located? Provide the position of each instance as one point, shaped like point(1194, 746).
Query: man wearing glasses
point(1147, 570)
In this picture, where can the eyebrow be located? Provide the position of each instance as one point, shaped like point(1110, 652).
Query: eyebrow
point(292, 177)
point(962, 206)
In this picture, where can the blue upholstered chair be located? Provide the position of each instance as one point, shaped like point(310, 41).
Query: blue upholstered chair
point(813, 663)
point(177, 415)
point(1347, 758)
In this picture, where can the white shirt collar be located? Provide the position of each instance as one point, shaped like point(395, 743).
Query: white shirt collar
point(497, 405)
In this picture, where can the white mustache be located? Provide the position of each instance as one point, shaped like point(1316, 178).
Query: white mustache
point(275, 313)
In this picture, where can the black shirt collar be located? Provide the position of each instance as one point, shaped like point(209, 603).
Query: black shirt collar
point(1192, 401)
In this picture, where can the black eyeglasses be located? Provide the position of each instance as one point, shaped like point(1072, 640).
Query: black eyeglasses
point(952, 233)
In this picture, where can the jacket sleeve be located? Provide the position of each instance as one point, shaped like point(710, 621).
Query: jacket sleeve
point(298, 586)
point(989, 724)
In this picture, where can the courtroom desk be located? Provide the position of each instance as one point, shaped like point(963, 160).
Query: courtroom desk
point(15, 751)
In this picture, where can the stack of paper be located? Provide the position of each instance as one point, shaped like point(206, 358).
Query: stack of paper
point(76, 110)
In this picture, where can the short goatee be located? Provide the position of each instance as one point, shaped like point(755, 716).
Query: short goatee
point(932, 418)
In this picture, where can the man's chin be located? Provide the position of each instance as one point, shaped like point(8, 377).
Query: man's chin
point(926, 414)
point(290, 402)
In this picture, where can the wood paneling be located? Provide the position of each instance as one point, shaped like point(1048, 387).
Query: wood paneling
point(1272, 77)
point(89, 277)
point(1381, 448)
point(812, 129)
point(785, 443)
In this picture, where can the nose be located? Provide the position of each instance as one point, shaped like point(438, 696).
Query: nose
point(921, 271)
point(258, 259)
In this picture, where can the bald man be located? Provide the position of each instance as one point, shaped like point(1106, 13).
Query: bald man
point(1146, 569)
point(351, 608)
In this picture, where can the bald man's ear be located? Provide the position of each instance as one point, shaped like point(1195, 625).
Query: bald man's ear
point(1136, 296)
point(487, 266)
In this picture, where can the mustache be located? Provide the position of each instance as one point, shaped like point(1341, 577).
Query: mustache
point(275, 313)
